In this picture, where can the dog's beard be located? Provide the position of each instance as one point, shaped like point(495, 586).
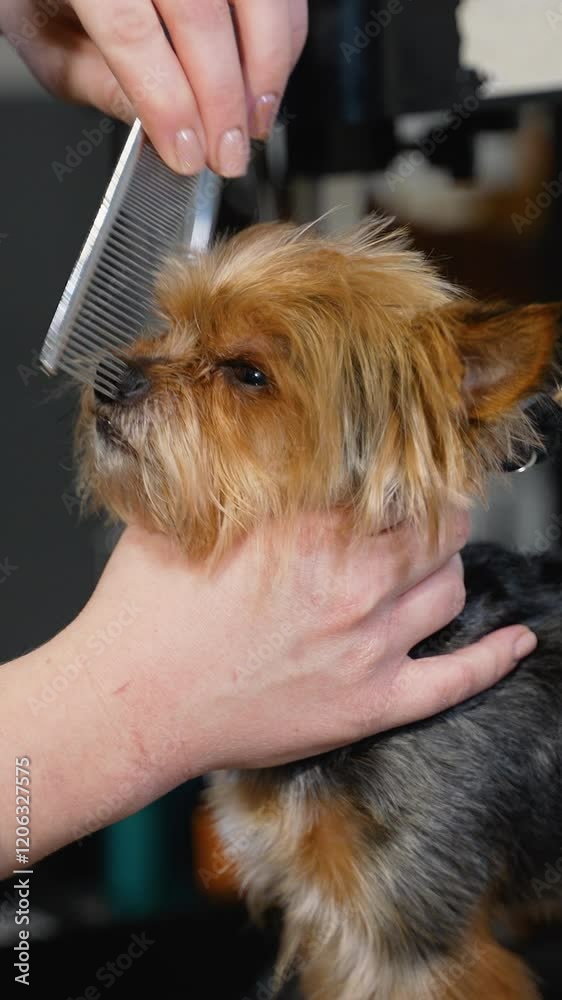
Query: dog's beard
point(146, 465)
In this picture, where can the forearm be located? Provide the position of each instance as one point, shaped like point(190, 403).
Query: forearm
point(78, 710)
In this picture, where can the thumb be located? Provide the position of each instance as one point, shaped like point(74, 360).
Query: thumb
point(424, 687)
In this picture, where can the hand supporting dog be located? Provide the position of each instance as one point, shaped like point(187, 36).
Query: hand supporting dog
point(112, 725)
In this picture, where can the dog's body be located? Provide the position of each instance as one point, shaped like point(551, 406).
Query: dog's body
point(411, 842)
point(295, 374)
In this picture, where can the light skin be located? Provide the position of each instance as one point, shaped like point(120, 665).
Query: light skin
point(200, 99)
point(167, 674)
point(219, 672)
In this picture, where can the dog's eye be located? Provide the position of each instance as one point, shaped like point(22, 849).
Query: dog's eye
point(247, 374)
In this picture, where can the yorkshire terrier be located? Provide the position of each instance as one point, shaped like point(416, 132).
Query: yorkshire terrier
point(295, 372)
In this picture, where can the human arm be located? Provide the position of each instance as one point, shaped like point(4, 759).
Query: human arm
point(170, 673)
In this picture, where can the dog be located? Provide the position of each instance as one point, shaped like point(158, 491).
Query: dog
point(291, 372)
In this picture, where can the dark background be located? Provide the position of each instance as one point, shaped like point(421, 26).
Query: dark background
point(138, 876)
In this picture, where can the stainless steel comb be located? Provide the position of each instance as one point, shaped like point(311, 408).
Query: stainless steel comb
point(148, 211)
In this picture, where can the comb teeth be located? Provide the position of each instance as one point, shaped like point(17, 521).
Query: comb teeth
point(148, 211)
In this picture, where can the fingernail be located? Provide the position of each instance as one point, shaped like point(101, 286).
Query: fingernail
point(264, 115)
point(189, 152)
point(525, 644)
point(233, 153)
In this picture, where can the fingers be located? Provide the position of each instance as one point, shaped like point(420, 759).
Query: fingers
point(203, 36)
point(367, 576)
point(388, 565)
point(133, 43)
point(200, 93)
point(298, 17)
point(428, 606)
point(266, 39)
point(411, 557)
point(422, 688)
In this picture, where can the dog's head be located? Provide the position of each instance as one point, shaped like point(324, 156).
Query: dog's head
point(299, 373)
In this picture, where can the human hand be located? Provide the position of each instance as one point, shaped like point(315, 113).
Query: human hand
point(200, 98)
point(248, 677)
point(169, 673)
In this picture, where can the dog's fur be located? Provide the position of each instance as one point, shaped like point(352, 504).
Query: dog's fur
point(387, 395)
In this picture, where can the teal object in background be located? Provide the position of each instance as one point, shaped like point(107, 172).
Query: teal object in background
point(147, 858)
point(135, 863)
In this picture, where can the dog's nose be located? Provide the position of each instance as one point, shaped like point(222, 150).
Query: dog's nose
point(128, 385)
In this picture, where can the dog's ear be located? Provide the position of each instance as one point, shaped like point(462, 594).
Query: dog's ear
point(507, 353)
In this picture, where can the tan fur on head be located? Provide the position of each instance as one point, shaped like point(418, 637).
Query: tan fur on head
point(388, 394)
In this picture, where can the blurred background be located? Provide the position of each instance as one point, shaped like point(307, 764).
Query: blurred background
point(446, 115)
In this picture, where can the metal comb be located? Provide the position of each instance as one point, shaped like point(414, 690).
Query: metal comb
point(148, 211)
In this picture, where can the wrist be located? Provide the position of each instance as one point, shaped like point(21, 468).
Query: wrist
point(154, 674)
